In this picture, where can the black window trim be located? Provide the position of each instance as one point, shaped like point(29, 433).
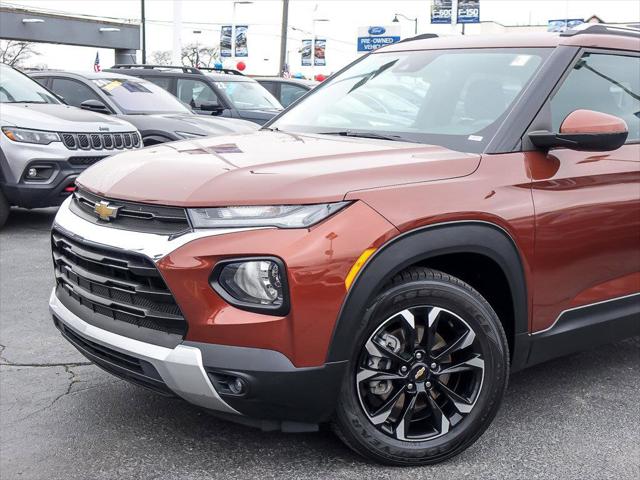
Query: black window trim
point(542, 119)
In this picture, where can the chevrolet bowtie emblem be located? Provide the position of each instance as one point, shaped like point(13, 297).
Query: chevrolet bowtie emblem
point(420, 372)
point(105, 211)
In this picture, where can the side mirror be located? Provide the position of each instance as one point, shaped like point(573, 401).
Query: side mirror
point(585, 130)
point(212, 107)
point(95, 106)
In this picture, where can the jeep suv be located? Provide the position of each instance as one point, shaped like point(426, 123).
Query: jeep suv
point(377, 268)
point(44, 144)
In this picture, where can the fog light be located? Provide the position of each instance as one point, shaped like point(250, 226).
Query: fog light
point(253, 284)
point(237, 386)
point(32, 173)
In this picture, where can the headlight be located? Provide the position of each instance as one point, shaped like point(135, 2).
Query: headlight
point(187, 135)
point(254, 284)
point(24, 135)
point(282, 216)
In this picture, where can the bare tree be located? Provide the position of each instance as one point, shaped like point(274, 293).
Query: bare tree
point(194, 55)
point(15, 53)
point(161, 57)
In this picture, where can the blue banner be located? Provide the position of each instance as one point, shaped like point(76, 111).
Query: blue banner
point(468, 11)
point(225, 41)
point(441, 11)
point(241, 41)
point(376, 36)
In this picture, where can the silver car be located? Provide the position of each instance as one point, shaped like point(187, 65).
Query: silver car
point(45, 145)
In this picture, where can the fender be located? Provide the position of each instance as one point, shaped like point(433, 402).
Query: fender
point(421, 244)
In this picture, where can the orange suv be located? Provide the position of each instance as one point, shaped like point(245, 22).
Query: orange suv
point(383, 253)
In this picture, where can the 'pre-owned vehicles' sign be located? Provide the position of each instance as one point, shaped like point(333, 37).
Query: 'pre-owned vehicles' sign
point(376, 36)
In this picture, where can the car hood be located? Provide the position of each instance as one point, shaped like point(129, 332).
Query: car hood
point(269, 167)
point(190, 123)
point(59, 118)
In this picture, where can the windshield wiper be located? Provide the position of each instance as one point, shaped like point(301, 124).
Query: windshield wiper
point(23, 101)
point(379, 136)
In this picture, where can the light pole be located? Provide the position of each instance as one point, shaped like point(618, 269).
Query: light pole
point(313, 45)
point(414, 20)
point(233, 25)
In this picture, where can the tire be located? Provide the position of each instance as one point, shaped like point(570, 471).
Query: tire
point(4, 209)
point(467, 339)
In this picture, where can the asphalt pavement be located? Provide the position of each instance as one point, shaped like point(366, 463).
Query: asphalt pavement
point(62, 418)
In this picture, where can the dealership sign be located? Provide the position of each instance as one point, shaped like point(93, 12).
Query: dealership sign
point(468, 11)
point(376, 36)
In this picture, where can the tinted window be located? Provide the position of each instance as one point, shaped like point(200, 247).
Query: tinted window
point(454, 98)
point(249, 95)
point(72, 91)
point(16, 87)
point(289, 93)
point(604, 83)
point(196, 93)
point(272, 87)
point(137, 96)
point(162, 82)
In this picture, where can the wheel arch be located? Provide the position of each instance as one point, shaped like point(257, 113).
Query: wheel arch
point(429, 246)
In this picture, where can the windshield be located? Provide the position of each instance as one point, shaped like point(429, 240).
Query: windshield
point(454, 98)
point(18, 88)
point(137, 96)
point(249, 96)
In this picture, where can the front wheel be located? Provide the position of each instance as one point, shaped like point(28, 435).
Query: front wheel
point(429, 372)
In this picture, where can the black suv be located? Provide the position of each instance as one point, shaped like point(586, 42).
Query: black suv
point(208, 91)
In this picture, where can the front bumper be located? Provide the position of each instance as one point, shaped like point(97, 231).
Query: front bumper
point(180, 368)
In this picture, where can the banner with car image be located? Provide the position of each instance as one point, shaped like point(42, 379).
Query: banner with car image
point(225, 40)
point(441, 11)
point(305, 52)
point(319, 50)
point(241, 41)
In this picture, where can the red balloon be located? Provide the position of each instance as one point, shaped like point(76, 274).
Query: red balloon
point(320, 77)
point(241, 66)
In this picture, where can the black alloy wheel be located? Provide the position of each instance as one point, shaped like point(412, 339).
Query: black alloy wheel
point(428, 374)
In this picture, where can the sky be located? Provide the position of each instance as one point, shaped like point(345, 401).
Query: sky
point(341, 18)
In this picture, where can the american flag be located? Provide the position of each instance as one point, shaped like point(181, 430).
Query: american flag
point(285, 71)
point(96, 64)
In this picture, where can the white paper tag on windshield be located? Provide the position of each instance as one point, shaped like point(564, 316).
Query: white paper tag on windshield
point(520, 60)
point(475, 138)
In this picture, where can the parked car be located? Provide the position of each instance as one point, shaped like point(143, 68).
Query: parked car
point(286, 90)
point(158, 115)
point(218, 92)
point(337, 266)
point(45, 144)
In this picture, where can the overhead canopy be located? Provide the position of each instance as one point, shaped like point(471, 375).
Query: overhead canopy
point(26, 25)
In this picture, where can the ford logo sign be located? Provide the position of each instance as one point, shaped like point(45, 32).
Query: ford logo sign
point(376, 30)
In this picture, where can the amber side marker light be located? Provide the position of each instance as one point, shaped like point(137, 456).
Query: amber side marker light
point(362, 259)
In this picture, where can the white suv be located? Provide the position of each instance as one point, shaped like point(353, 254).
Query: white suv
point(45, 144)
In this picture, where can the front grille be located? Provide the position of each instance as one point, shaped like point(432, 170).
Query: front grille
point(125, 287)
point(100, 141)
point(84, 161)
point(96, 141)
point(69, 141)
point(83, 141)
point(140, 217)
point(125, 366)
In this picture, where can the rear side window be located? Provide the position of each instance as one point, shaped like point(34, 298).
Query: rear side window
point(196, 93)
point(289, 93)
point(604, 83)
point(73, 92)
point(162, 82)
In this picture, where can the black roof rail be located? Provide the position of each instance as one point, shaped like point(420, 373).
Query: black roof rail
point(229, 71)
point(125, 66)
point(603, 28)
point(422, 36)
